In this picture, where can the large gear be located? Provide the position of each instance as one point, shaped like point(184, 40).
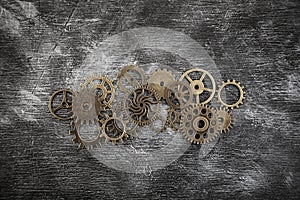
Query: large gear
point(130, 76)
point(225, 118)
point(84, 107)
point(102, 87)
point(114, 129)
point(241, 94)
point(65, 104)
point(198, 86)
point(161, 78)
point(198, 123)
point(142, 105)
point(83, 142)
point(178, 95)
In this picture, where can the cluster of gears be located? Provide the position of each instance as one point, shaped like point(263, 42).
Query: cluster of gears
point(188, 100)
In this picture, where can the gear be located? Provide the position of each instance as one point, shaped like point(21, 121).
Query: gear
point(64, 108)
point(198, 123)
point(78, 138)
point(198, 86)
point(161, 78)
point(102, 87)
point(241, 94)
point(173, 119)
point(225, 118)
point(114, 129)
point(84, 107)
point(142, 105)
point(131, 76)
point(178, 95)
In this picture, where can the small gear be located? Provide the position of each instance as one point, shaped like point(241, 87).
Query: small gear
point(225, 118)
point(178, 95)
point(90, 143)
point(114, 129)
point(173, 119)
point(142, 105)
point(241, 94)
point(84, 107)
point(131, 76)
point(198, 123)
point(198, 84)
point(161, 78)
point(102, 87)
point(63, 110)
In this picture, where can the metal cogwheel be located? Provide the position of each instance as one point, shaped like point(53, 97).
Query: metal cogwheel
point(198, 85)
point(102, 87)
point(225, 118)
point(241, 94)
point(199, 123)
point(173, 119)
point(87, 143)
point(142, 105)
point(63, 111)
point(84, 107)
point(130, 76)
point(178, 94)
point(114, 129)
point(161, 78)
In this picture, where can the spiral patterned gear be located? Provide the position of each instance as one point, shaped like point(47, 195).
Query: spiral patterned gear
point(142, 105)
point(199, 123)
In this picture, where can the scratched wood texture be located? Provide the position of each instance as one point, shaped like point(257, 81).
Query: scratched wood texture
point(255, 42)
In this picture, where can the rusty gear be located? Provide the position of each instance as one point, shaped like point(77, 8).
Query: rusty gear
point(196, 123)
point(241, 94)
point(225, 118)
point(84, 107)
point(198, 85)
point(161, 78)
point(142, 105)
point(178, 95)
point(131, 76)
point(65, 104)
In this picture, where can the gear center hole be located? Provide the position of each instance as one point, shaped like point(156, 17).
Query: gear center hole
point(162, 83)
point(86, 106)
point(196, 87)
point(201, 124)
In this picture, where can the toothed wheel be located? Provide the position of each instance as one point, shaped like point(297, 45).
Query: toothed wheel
point(84, 107)
point(102, 87)
point(173, 119)
point(160, 79)
point(131, 76)
point(199, 123)
point(225, 118)
point(241, 94)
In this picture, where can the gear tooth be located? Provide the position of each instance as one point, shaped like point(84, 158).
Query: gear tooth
point(98, 145)
point(121, 141)
point(113, 142)
point(80, 146)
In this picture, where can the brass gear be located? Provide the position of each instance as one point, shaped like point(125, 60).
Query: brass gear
point(161, 78)
point(102, 87)
point(225, 119)
point(111, 130)
point(198, 86)
point(178, 94)
point(141, 105)
point(65, 104)
point(127, 74)
point(241, 94)
point(89, 144)
point(84, 107)
point(196, 123)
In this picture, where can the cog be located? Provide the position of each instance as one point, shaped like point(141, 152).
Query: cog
point(173, 119)
point(198, 123)
point(114, 129)
point(178, 95)
point(161, 78)
point(63, 110)
point(142, 105)
point(102, 87)
point(241, 94)
point(130, 76)
point(78, 138)
point(225, 118)
point(84, 107)
point(198, 86)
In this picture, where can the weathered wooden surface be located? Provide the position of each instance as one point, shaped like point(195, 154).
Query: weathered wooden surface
point(255, 42)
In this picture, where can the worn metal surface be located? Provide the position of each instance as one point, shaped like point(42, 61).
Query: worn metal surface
point(255, 42)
